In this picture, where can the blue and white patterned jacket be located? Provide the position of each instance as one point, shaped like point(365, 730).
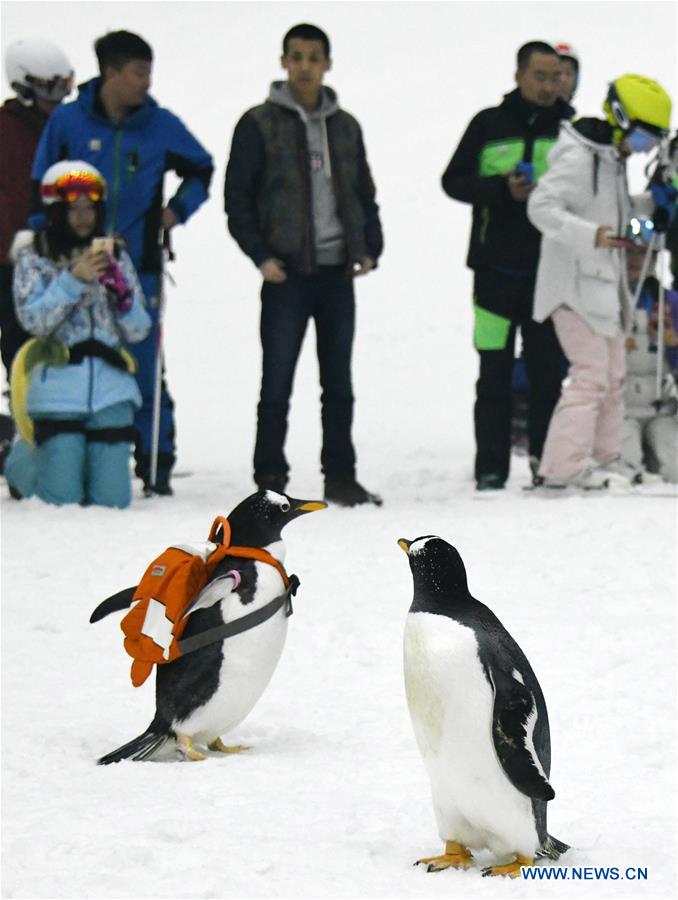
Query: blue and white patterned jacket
point(51, 302)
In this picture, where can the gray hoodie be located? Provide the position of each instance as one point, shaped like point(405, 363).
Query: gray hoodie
point(328, 232)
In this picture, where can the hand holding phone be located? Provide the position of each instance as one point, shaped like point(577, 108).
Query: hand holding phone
point(610, 241)
point(103, 245)
point(525, 170)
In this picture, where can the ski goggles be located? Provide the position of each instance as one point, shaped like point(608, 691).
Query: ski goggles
point(53, 89)
point(73, 185)
point(640, 140)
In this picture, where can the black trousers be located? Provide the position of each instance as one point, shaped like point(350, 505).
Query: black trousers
point(12, 335)
point(326, 297)
point(512, 297)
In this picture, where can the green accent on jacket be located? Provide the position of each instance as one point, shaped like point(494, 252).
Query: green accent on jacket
point(490, 331)
point(540, 150)
point(499, 157)
point(484, 223)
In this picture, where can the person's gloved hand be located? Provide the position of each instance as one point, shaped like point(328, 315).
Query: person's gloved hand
point(664, 196)
point(115, 283)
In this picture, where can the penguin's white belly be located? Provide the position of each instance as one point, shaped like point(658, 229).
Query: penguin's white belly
point(249, 661)
point(451, 702)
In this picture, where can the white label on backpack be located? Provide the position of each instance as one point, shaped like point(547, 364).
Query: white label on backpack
point(157, 626)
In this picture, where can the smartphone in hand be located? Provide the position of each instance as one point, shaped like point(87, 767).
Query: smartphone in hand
point(103, 245)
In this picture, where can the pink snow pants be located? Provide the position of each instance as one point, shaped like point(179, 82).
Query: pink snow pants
point(587, 424)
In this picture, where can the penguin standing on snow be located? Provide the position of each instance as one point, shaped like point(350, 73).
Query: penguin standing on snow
point(209, 691)
point(479, 718)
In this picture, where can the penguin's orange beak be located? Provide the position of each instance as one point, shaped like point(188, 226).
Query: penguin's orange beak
point(404, 545)
point(311, 506)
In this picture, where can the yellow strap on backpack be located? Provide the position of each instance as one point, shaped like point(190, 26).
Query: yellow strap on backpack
point(36, 351)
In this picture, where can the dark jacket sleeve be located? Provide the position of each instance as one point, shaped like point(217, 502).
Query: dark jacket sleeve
point(241, 187)
point(461, 179)
point(52, 148)
point(373, 234)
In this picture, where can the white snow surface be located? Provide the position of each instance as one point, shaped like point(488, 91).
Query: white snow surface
point(333, 799)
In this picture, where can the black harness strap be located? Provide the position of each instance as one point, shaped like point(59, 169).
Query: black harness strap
point(92, 347)
point(124, 434)
point(44, 429)
point(251, 620)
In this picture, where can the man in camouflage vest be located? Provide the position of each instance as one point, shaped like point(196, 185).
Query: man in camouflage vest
point(299, 199)
point(495, 167)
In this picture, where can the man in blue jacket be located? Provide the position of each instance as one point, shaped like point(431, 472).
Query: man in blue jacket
point(300, 203)
point(115, 125)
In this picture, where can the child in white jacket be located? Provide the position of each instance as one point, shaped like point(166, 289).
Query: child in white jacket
point(582, 208)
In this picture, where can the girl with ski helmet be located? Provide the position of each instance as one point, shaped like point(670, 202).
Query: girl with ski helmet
point(73, 392)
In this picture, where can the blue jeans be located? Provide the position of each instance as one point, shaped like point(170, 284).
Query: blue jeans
point(74, 467)
point(145, 353)
point(327, 297)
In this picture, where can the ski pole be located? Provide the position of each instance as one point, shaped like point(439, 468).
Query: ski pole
point(660, 320)
point(159, 359)
point(644, 269)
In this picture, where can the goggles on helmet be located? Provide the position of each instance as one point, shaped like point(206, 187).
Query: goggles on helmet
point(619, 115)
point(53, 90)
point(73, 185)
point(640, 140)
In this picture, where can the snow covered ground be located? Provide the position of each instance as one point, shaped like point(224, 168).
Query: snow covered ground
point(333, 800)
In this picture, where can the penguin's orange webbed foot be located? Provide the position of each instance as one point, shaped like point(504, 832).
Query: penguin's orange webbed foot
point(511, 869)
point(456, 856)
point(186, 749)
point(219, 746)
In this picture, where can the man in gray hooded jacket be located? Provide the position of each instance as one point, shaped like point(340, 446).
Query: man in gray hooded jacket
point(300, 203)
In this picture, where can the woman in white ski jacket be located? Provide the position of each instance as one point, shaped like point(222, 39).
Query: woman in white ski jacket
point(582, 208)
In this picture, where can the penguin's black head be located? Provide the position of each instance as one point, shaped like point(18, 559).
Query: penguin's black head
point(259, 520)
point(437, 568)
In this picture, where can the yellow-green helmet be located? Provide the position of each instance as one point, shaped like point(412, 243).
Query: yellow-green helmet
point(637, 99)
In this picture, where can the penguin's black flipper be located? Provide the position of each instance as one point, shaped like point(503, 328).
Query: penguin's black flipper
point(141, 747)
point(513, 720)
point(121, 600)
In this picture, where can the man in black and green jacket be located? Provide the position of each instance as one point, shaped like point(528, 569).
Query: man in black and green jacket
point(495, 167)
point(300, 203)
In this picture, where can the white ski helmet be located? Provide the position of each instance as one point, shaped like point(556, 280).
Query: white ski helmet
point(40, 69)
point(566, 51)
point(69, 179)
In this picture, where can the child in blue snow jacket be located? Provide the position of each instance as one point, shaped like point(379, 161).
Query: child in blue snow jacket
point(79, 293)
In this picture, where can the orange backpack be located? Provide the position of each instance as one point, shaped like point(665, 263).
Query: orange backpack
point(153, 627)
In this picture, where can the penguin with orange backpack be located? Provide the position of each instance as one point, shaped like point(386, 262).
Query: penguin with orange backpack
point(212, 618)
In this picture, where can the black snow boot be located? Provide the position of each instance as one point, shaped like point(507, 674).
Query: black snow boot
point(348, 492)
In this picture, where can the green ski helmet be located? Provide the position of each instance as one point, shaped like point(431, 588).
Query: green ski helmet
point(637, 100)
